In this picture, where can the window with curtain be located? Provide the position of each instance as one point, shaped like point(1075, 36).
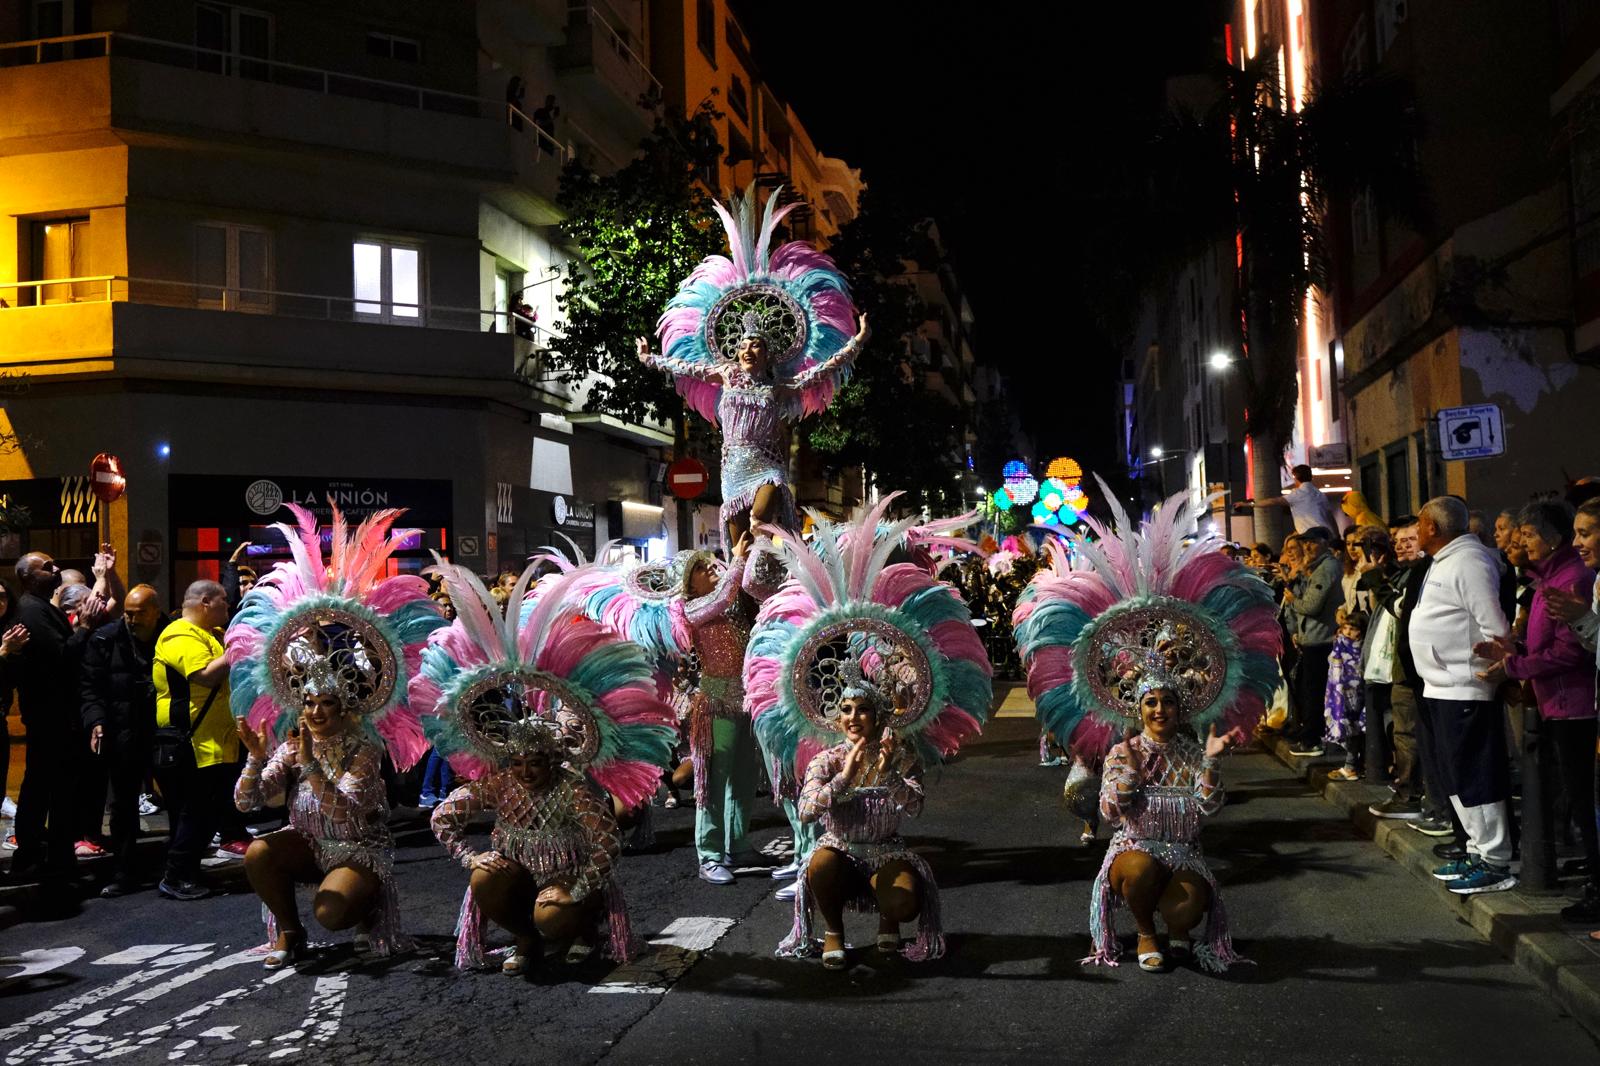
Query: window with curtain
point(61, 249)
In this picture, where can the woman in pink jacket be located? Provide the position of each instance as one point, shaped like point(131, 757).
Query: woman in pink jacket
point(1554, 659)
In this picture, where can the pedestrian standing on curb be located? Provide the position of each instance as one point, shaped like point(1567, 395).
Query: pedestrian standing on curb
point(1582, 614)
point(1553, 658)
point(1344, 702)
point(196, 745)
point(1313, 603)
point(1456, 618)
point(48, 695)
point(119, 718)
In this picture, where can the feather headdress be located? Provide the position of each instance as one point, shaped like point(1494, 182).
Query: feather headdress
point(845, 611)
point(335, 625)
point(542, 676)
point(633, 600)
point(794, 297)
point(1140, 609)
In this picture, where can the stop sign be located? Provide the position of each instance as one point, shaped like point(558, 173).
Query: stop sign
point(105, 478)
point(686, 478)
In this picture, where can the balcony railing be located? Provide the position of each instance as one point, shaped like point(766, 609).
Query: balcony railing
point(607, 35)
point(275, 72)
point(23, 296)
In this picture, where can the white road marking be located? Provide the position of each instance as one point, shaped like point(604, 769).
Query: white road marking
point(79, 1002)
point(677, 947)
point(221, 1032)
point(138, 953)
point(38, 961)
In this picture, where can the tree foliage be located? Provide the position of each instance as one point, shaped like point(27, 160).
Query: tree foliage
point(906, 437)
point(638, 233)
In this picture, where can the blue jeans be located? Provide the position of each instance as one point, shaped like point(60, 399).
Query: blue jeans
point(437, 777)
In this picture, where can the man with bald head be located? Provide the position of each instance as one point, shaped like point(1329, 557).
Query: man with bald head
point(119, 717)
point(47, 692)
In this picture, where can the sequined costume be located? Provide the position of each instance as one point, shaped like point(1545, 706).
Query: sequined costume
point(754, 417)
point(863, 825)
point(564, 835)
point(795, 300)
point(1136, 610)
point(501, 685)
point(343, 813)
point(1157, 808)
point(721, 745)
point(849, 625)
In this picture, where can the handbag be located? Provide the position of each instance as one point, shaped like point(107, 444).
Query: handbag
point(171, 746)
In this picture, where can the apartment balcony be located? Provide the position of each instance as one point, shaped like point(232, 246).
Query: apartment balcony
point(137, 327)
point(66, 85)
point(599, 64)
point(527, 23)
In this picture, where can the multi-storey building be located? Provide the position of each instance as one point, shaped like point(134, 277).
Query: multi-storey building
point(273, 253)
point(1474, 303)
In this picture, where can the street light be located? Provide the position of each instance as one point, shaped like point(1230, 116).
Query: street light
point(1156, 452)
point(1221, 361)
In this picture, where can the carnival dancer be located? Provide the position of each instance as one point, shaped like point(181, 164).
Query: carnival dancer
point(754, 342)
point(320, 656)
point(718, 612)
point(859, 675)
point(1147, 634)
point(546, 712)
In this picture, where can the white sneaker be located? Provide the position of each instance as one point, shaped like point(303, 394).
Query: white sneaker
point(787, 893)
point(147, 805)
point(8, 808)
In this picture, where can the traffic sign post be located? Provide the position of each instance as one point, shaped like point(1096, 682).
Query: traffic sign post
point(1474, 432)
point(687, 478)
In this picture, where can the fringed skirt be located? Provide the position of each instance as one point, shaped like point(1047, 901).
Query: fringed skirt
point(745, 468)
point(716, 697)
point(383, 928)
point(552, 858)
point(868, 859)
point(1215, 953)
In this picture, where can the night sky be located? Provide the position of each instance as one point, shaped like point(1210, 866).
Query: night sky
point(1003, 122)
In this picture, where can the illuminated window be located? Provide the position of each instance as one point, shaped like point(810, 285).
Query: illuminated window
point(388, 282)
point(61, 249)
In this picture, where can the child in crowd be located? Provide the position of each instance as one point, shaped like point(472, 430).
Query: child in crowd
point(1343, 705)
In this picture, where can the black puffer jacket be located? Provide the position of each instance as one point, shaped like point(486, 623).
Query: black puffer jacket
point(118, 691)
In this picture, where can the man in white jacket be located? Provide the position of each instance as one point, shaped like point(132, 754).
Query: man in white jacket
point(1458, 610)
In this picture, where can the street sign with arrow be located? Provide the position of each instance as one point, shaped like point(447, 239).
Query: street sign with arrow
point(1474, 432)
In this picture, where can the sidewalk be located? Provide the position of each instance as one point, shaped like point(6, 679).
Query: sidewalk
point(1526, 928)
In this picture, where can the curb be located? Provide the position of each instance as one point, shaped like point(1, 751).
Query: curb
point(1526, 928)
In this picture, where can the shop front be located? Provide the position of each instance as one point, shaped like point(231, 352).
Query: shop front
point(55, 515)
point(211, 515)
point(533, 521)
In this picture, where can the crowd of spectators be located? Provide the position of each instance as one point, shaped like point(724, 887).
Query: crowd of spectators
point(1433, 652)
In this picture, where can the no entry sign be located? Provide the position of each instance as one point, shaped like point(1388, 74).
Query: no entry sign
point(686, 478)
point(106, 480)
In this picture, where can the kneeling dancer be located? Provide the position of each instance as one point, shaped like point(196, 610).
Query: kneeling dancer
point(322, 653)
point(1148, 634)
point(887, 657)
point(524, 704)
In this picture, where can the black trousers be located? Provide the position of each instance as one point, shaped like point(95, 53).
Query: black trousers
point(1568, 746)
point(127, 760)
point(45, 803)
point(1431, 760)
point(198, 798)
point(1311, 693)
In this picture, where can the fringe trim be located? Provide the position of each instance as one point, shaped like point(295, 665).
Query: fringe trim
point(1214, 954)
point(929, 944)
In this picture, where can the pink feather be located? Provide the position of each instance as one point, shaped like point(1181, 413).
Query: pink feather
point(1048, 667)
point(959, 640)
point(628, 780)
point(735, 246)
point(305, 546)
point(402, 734)
point(949, 729)
point(263, 713)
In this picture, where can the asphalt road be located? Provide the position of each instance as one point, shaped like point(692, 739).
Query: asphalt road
point(1354, 962)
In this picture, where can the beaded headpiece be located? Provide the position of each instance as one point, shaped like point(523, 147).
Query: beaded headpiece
point(339, 627)
point(547, 678)
point(1137, 609)
point(847, 622)
point(793, 297)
